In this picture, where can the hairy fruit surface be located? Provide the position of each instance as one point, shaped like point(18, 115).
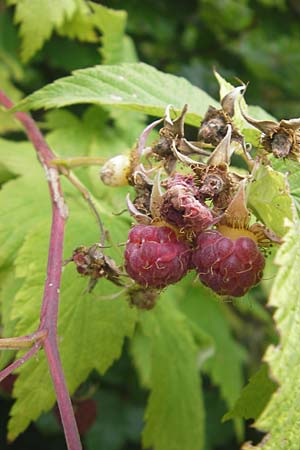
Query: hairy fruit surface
point(155, 257)
point(182, 206)
point(228, 266)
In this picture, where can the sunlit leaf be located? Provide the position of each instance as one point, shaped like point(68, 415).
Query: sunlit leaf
point(174, 415)
point(281, 416)
point(270, 200)
point(138, 87)
point(254, 396)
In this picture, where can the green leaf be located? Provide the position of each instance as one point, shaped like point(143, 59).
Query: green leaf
point(270, 200)
point(91, 330)
point(23, 211)
point(137, 87)
point(225, 364)
point(281, 416)
point(112, 24)
point(174, 415)
point(254, 396)
point(38, 18)
point(19, 157)
point(9, 287)
point(79, 25)
point(140, 346)
point(291, 170)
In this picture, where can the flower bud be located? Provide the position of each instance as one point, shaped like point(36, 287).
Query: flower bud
point(115, 171)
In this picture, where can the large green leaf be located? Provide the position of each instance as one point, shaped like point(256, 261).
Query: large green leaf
point(134, 86)
point(91, 330)
point(269, 198)
point(281, 416)
point(225, 365)
point(225, 360)
point(174, 415)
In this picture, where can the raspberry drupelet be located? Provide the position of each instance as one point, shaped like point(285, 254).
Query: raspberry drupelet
point(155, 257)
point(228, 266)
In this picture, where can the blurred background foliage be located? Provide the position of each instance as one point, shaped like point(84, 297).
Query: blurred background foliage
point(256, 41)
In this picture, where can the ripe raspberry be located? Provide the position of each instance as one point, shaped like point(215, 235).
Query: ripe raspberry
point(155, 257)
point(228, 266)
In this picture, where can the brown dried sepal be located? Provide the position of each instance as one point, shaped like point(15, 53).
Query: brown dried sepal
point(216, 183)
point(92, 262)
point(143, 189)
point(282, 139)
point(283, 143)
point(264, 236)
point(214, 127)
point(142, 297)
point(142, 199)
point(172, 129)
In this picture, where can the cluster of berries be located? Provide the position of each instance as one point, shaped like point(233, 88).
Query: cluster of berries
point(159, 255)
point(201, 221)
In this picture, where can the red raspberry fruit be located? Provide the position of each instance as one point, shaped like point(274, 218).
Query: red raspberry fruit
point(155, 257)
point(228, 266)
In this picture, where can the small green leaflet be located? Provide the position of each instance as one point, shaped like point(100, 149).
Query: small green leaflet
point(112, 24)
point(80, 25)
point(38, 18)
point(282, 416)
point(174, 415)
point(270, 200)
point(133, 86)
point(254, 396)
point(292, 171)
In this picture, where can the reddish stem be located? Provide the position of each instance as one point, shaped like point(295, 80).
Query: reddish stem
point(13, 366)
point(49, 309)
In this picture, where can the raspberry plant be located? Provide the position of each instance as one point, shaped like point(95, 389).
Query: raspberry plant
point(205, 216)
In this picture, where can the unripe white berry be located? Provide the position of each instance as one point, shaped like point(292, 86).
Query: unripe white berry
point(115, 171)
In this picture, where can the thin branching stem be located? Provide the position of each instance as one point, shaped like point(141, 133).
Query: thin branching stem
point(19, 342)
point(88, 198)
point(78, 161)
point(20, 361)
